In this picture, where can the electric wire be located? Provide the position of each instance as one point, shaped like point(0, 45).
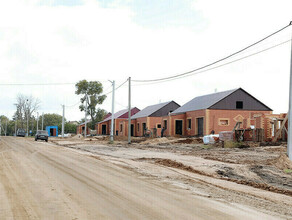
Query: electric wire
point(224, 64)
point(117, 87)
point(217, 61)
point(38, 84)
point(70, 106)
point(35, 84)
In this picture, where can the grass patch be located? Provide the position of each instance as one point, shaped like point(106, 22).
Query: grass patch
point(288, 171)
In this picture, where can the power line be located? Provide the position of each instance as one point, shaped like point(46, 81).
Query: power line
point(217, 61)
point(224, 64)
point(70, 106)
point(39, 84)
point(35, 84)
point(117, 87)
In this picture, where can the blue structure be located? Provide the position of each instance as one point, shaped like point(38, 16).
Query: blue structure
point(52, 131)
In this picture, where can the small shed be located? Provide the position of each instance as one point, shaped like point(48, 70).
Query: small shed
point(52, 131)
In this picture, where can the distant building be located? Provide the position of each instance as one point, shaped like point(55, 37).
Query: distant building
point(52, 131)
point(150, 118)
point(103, 127)
point(81, 128)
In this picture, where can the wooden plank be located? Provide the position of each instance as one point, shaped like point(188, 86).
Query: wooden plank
point(279, 131)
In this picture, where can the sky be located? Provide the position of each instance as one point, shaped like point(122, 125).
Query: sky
point(64, 41)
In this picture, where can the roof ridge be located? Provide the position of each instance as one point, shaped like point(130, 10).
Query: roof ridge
point(203, 104)
point(142, 112)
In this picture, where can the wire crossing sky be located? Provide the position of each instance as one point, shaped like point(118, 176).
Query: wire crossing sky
point(48, 46)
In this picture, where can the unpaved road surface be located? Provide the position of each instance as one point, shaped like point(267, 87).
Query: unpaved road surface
point(40, 180)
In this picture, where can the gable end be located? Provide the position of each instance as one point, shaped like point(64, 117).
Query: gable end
point(240, 100)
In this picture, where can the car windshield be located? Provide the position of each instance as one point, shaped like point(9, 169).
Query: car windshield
point(43, 132)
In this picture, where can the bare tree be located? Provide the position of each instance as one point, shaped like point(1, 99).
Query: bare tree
point(26, 106)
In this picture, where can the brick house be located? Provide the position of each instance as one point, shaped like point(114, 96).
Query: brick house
point(103, 127)
point(81, 127)
point(215, 112)
point(106, 116)
point(150, 118)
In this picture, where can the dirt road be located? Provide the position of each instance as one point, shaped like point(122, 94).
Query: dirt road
point(40, 180)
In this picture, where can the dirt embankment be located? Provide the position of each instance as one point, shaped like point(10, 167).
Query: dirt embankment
point(265, 168)
point(271, 182)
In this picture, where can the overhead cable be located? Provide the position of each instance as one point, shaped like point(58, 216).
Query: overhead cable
point(218, 66)
point(217, 61)
point(117, 87)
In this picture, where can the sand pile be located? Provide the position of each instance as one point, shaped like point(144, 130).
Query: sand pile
point(78, 136)
point(189, 141)
point(162, 140)
point(282, 162)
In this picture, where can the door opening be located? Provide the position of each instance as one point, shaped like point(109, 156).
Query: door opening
point(178, 127)
point(103, 129)
point(200, 124)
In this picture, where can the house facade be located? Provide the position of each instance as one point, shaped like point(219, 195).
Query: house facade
point(103, 127)
point(149, 119)
point(81, 128)
point(214, 113)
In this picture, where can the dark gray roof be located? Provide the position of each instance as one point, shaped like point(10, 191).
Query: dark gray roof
point(149, 110)
point(203, 102)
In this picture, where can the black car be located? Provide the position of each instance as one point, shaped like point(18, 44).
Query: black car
point(20, 132)
point(42, 135)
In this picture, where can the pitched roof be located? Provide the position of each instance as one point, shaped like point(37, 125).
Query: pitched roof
point(149, 110)
point(83, 123)
point(203, 102)
point(116, 115)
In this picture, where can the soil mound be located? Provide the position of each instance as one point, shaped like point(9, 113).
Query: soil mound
point(162, 140)
point(283, 162)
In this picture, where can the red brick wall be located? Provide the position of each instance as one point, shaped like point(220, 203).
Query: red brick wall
point(232, 116)
point(107, 123)
point(140, 121)
point(79, 129)
point(172, 120)
point(151, 122)
point(193, 115)
point(166, 131)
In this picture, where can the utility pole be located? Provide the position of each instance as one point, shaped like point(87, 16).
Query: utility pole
point(15, 127)
point(85, 131)
point(5, 127)
point(289, 145)
point(129, 120)
point(113, 110)
point(37, 122)
point(43, 121)
point(63, 121)
point(27, 118)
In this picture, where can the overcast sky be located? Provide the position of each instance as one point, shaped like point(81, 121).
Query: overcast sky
point(63, 41)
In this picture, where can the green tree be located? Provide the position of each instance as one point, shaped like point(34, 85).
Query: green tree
point(92, 95)
point(51, 120)
point(70, 128)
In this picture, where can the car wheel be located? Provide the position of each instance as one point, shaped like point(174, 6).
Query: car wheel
point(46, 140)
point(35, 139)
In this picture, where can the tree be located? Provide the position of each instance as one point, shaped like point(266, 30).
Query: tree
point(100, 113)
point(92, 95)
point(70, 128)
point(26, 106)
point(51, 120)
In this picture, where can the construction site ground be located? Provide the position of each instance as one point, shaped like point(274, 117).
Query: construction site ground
point(173, 178)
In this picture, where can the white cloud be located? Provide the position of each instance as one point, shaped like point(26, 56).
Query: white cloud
point(67, 44)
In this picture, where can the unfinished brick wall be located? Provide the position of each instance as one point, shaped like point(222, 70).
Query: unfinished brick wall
point(233, 116)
